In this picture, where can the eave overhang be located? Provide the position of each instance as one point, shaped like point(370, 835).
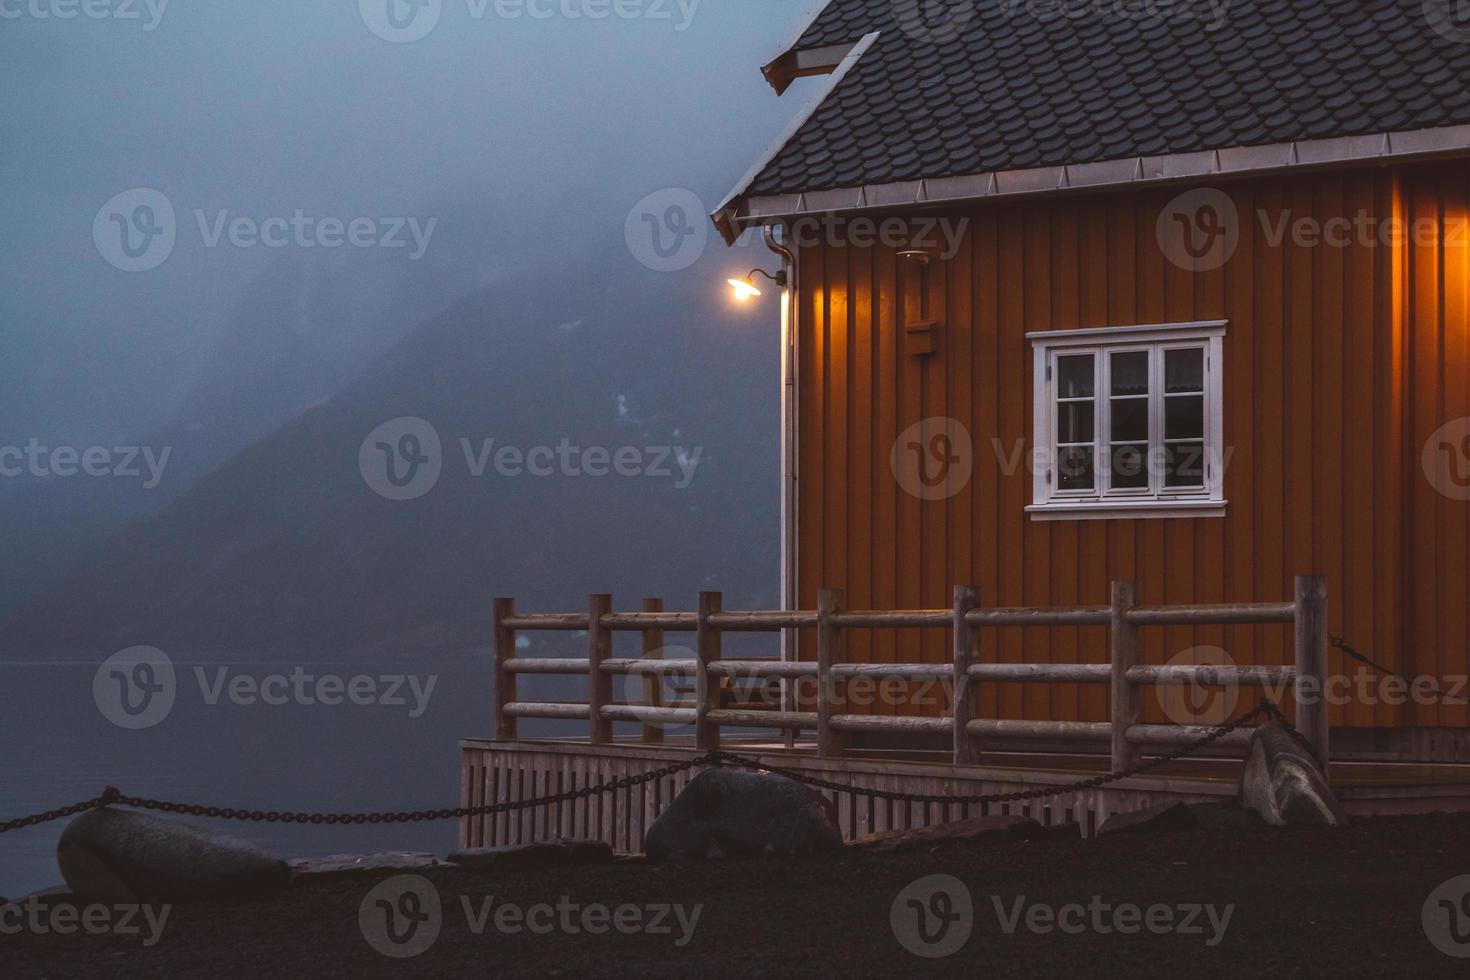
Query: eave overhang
point(740, 211)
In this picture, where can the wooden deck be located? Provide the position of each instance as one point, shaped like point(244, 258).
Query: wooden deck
point(504, 771)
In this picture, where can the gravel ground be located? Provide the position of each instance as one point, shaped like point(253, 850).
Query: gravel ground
point(1299, 903)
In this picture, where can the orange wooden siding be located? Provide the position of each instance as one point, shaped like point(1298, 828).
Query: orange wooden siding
point(1340, 362)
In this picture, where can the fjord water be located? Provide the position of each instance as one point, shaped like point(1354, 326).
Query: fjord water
point(59, 749)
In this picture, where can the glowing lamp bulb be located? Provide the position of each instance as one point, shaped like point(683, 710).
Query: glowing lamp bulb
point(744, 289)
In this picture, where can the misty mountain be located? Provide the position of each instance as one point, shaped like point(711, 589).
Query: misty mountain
point(295, 334)
point(286, 546)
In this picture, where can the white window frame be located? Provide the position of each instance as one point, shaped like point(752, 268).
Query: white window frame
point(1103, 501)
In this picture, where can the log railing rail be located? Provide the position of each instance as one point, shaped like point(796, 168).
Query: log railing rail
point(967, 619)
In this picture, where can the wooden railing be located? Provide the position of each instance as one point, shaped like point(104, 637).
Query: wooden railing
point(1125, 673)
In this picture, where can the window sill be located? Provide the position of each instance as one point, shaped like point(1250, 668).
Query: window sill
point(1120, 510)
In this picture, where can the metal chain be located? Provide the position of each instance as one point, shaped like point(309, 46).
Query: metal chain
point(56, 814)
point(1265, 707)
point(1362, 658)
point(112, 796)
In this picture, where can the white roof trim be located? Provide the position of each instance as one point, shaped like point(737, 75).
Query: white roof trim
point(1129, 171)
point(832, 81)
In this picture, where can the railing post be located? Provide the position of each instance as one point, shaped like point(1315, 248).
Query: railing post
point(829, 652)
point(966, 597)
point(599, 684)
point(505, 681)
point(653, 684)
point(1311, 662)
point(707, 651)
point(1124, 649)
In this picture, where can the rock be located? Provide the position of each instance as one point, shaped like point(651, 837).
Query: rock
point(117, 855)
point(1283, 784)
point(1225, 816)
point(352, 865)
point(534, 857)
point(974, 830)
point(736, 813)
point(1151, 819)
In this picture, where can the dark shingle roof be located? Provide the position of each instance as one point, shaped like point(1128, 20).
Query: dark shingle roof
point(1021, 85)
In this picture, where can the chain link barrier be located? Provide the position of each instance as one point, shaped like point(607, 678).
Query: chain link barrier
point(1341, 644)
point(112, 796)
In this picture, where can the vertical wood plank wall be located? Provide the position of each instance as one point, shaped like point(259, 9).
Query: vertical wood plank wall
point(1340, 362)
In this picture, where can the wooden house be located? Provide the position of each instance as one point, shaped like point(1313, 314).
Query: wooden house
point(1126, 378)
point(1180, 300)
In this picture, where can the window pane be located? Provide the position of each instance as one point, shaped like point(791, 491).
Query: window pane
point(1130, 420)
point(1075, 376)
point(1130, 468)
point(1074, 422)
point(1184, 465)
point(1075, 468)
point(1130, 373)
point(1184, 417)
point(1184, 370)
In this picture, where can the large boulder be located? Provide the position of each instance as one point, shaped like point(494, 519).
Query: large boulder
point(117, 855)
point(1284, 785)
point(336, 866)
point(534, 857)
point(973, 830)
point(737, 813)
